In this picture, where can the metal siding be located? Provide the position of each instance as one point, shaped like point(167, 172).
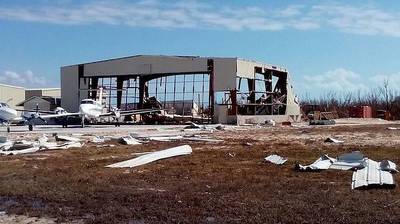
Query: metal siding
point(69, 88)
point(225, 74)
point(16, 94)
point(146, 65)
point(51, 92)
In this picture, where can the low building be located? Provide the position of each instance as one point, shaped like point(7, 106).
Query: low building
point(52, 92)
point(227, 90)
point(42, 103)
point(12, 95)
point(16, 96)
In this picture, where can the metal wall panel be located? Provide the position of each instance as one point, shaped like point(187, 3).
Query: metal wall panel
point(12, 95)
point(70, 88)
point(146, 65)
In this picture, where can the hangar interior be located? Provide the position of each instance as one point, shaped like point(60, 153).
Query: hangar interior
point(204, 89)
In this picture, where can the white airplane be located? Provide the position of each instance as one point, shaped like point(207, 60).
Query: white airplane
point(89, 109)
point(9, 116)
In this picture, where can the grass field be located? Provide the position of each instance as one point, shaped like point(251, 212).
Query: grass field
point(225, 182)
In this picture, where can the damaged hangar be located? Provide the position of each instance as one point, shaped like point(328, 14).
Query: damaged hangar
point(211, 89)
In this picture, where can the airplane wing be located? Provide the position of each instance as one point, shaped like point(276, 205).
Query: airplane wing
point(131, 112)
point(37, 111)
point(48, 116)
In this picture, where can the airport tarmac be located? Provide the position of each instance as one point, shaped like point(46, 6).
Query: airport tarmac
point(92, 129)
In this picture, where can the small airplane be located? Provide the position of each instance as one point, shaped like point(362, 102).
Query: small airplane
point(89, 109)
point(9, 115)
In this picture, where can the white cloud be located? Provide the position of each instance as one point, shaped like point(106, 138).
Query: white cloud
point(393, 80)
point(341, 81)
point(27, 79)
point(337, 80)
point(368, 20)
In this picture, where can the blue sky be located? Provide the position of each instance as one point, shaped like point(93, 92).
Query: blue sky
point(326, 45)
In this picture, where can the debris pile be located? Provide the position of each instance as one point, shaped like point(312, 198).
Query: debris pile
point(129, 140)
point(23, 146)
point(275, 159)
point(367, 172)
point(333, 140)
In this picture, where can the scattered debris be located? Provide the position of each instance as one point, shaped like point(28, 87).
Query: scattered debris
point(232, 154)
point(98, 139)
point(275, 159)
point(270, 122)
point(323, 163)
point(104, 146)
point(129, 140)
point(20, 151)
point(166, 138)
point(247, 144)
point(154, 156)
point(202, 139)
point(194, 126)
point(65, 138)
point(65, 145)
point(387, 165)
point(369, 173)
point(322, 122)
point(5, 144)
point(349, 161)
point(3, 139)
point(372, 177)
point(333, 140)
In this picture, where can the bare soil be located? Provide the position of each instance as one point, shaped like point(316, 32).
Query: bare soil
point(224, 182)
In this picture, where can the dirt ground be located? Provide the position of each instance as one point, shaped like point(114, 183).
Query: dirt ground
point(224, 182)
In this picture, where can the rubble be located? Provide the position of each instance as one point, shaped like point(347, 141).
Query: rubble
point(388, 165)
point(42, 143)
point(65, 138)
point(322, 122)
point(202, 139)
point(104, 146)
point(372, 176)
point(11, 151)
point(275, 159)
point(165, 138)
point(5, 144)
point(368, 173)
point(333, 140)
point(322, 163)
point(98, 139)
point(270, 122)
point(154, 156)
point(129, 140)
point(348, 161)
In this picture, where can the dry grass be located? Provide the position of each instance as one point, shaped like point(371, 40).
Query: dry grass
point(207, 186)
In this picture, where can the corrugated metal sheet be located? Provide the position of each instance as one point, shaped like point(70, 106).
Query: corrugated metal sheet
point(372, 176)
point(154, 156)
point(275, 159)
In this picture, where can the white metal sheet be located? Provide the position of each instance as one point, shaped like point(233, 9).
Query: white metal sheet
point(154, 156)
point(275, 159)
point(371, 176)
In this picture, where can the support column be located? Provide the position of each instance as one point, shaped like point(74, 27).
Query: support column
point(94, 87)
point(210, 66)
point(143, 91)
point(120, 85)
